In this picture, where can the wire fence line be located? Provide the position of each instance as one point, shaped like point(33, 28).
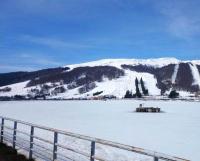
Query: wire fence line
point(53, 150)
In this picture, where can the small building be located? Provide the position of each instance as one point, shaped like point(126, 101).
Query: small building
point(147, 109)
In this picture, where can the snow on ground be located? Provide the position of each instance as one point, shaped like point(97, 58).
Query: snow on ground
point(159, 62)
point(185, 94)
point(16, 89)
point(117, 87)
point(197, 62)
point(196, 75)
point(175, 73)
point(175, 132)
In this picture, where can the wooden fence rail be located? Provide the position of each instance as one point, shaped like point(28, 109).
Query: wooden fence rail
point(53, 155)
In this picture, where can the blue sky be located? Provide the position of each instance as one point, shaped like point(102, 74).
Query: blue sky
point(37, 34)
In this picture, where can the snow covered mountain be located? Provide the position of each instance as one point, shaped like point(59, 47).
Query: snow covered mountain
point(108, 77)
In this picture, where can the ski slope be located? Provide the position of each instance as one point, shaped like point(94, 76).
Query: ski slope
point(196, 75)
point(175, 73)
point(116, 87)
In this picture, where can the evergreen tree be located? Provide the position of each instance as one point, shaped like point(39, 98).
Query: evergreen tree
point(173, 94)
point(144, 90)
point(128, 94)
point(138, 94)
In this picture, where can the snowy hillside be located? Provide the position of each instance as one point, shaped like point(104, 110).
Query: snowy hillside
point(118, 62)
point(105, 78)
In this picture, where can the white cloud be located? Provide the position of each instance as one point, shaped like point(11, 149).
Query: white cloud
point(38, 59)
point(30, 62)
point(47, 62)
point(11, 68)
point(182, 17)
point(53, 42)
point(27, 62)
point(25, 55)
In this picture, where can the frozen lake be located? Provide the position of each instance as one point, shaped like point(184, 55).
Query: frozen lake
point(175, 132)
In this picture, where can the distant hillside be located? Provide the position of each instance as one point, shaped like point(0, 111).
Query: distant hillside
point(109, 77)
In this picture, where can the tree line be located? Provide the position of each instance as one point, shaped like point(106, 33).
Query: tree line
point(145, 92)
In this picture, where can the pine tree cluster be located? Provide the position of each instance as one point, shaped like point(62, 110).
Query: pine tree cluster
point(137, 94)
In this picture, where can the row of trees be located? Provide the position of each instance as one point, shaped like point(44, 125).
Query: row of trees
point(137, 94)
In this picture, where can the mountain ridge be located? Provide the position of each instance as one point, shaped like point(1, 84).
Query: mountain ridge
point(106, 77)
point(151, 62)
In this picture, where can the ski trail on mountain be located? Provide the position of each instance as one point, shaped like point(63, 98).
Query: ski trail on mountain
point(195, 73)
point(175, 73)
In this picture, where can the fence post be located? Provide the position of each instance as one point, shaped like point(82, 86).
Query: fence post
point(2, 129)
point(31, 142)
point(155, 159)
point(92, 151)
point(55, 145)
point(14, 134)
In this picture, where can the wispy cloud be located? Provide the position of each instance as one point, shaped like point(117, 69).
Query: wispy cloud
point(47, 62)
point(53, 42)
point(182, 17)
point(38, 59)
point(11, 68)
point(27, 62)
point(56, 9)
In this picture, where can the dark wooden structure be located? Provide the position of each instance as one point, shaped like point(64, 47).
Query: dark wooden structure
point(147, 109)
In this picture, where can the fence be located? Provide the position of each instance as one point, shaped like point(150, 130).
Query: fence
point(9, 135)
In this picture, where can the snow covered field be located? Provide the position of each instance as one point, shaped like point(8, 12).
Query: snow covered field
point(175, 132)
